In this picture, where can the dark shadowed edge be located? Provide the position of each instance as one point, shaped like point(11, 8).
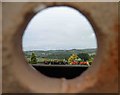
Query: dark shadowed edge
point(60, 94)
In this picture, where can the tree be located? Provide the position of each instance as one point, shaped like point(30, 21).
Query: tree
point(33, 59)
point(84, 56)
point(72, 58)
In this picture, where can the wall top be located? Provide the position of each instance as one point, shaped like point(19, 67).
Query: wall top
point(59, 0)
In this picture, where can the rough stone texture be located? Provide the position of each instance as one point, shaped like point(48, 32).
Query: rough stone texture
point(0, 47)
point(101, 77)
point(60, 0)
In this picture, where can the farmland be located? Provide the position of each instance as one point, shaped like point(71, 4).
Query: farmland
point(58, 56)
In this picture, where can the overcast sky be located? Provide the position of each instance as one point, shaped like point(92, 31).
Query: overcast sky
point(58, 28)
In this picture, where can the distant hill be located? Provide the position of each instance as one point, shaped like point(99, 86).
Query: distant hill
point(59, 54)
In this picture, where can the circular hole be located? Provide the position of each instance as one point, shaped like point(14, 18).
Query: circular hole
point(59, 42)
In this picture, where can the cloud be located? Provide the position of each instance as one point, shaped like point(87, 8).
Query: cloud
point(58, 28)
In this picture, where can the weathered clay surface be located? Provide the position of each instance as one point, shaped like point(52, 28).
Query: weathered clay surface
point(60, 1)
point(101, 77)
point(0, 47)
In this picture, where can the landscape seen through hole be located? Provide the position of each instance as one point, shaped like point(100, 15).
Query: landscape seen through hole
point(60, 37)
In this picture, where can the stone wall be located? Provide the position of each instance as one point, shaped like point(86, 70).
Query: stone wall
point(102, 76)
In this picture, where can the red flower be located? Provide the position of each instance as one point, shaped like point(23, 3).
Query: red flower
point(74, 62)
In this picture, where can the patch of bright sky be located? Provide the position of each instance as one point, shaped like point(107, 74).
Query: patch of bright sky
point(59, 28)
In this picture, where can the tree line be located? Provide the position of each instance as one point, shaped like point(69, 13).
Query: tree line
point(81, 57)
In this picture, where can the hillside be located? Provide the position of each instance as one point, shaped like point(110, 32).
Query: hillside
point(58, 54)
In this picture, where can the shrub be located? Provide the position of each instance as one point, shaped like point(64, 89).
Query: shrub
point(33, 59)
point(72, 58)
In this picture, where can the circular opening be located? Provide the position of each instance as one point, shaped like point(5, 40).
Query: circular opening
point(59, 42)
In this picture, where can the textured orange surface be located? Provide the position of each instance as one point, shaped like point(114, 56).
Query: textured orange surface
point(102, 76)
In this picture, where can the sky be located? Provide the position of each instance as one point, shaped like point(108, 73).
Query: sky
point(58, 28)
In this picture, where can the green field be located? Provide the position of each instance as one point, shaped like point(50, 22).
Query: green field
point(58, 55)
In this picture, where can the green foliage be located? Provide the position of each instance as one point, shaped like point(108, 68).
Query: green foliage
point(33, 59)
point(59, 55)
point(84, 56)
point(93, 55)
point(79, 60)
